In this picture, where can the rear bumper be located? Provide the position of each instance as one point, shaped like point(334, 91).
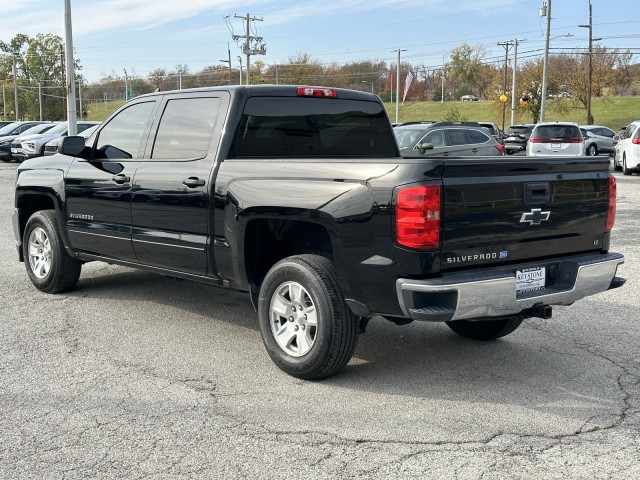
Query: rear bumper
point(492, 292)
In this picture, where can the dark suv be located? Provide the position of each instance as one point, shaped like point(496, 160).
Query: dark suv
point(446, 139)
point(517, 137)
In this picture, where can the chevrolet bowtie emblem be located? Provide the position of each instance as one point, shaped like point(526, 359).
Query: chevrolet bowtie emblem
point(535, 216)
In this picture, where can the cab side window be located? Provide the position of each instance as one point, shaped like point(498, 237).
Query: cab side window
point(120, 138)
point(185, 128)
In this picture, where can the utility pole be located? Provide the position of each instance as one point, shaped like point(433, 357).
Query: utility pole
point(513, 84)
point(543, 100)
point(40, 98)
point(259, 47)
point(71, 83)
point(4, 105)
point(398, 83)
point(590, 79)
point(240, 61)
point(15, 85)
point(507, 46)
point(228, 61)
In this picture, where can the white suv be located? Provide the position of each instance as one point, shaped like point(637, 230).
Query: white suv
point(627, 156)
point(550, 139)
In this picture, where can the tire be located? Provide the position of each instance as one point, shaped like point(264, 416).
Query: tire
point(485, 329)
point(48, 264)
point(625, 170)
point(592, 150)
point(306, 326)
point(616, 167)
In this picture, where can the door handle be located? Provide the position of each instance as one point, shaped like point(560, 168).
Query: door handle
point(193, 182)
point(121, 178)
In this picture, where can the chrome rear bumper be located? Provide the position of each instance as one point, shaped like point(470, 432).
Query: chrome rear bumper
point(492, 292)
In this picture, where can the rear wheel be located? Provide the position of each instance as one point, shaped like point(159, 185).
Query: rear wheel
point(592, 150)
point(485, 329)
point(306, 326)
point(625, 170)
point(48, 264)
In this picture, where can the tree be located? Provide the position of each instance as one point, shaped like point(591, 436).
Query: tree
point(466, 68)
point(40, 63)
point(156, 77)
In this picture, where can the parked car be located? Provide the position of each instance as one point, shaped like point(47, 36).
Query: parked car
point(494, 129)
point(446, 139)
point(51, 147)
point(627, 150)
point(5, 142)
point(23, 148)
point(4, 123)
point(517, 137)
point(16, 128)
point(597, 139)
point(469, 98)
point(563, 139)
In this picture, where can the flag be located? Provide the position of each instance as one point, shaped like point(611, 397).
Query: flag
point(407, 84)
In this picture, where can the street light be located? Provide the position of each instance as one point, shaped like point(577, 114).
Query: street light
point(398, 83)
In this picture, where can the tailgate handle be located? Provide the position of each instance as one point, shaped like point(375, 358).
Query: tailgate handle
point(537, 192)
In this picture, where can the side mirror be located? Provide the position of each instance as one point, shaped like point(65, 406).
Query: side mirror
point(72, 146)
point(423, 147)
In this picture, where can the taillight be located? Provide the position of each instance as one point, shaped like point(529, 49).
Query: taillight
point(611, 212)
point(500, 149)
point(535, 140)
point(418, 216)
point(573, 140)
point(316, 92)
point(636, 141)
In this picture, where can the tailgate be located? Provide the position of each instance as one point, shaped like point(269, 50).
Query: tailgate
point(502, 211)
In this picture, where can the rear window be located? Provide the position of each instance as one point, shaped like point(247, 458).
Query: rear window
point(557, 132)
point(519, 130)
point(313, 127)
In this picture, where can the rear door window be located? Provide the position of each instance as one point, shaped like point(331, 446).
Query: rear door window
point(459, 137)
point(185, 128)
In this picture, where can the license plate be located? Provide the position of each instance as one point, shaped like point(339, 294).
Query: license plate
point(530, 279)
point(556, 145)
point(14, 150)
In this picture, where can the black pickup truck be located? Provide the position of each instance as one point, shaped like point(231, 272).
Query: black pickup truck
point(297, 196)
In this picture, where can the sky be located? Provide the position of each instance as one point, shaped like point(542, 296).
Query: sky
point(110, 36)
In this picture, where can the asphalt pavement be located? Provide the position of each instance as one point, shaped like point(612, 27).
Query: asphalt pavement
point(135, 375)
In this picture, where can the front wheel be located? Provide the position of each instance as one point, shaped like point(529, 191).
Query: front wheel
point(48, 264)
point(485, 329)
point(306, 326)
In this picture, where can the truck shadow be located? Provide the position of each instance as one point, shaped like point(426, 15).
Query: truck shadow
point(530, 367)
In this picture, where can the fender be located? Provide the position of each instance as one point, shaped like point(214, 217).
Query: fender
point(39, 188)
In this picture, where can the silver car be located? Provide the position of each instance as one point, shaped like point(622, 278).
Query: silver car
point(556, 139)
point(597, 139)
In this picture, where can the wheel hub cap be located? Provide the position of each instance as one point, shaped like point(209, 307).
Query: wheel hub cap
point(39, 253)
point(293, 319)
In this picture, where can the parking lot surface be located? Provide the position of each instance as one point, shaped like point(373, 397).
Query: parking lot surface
point(135, 375)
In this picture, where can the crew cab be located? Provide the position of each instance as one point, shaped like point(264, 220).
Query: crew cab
point(298, 196)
